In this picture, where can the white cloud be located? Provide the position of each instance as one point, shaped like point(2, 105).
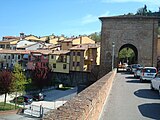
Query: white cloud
point(92, 18)
point(89, 19)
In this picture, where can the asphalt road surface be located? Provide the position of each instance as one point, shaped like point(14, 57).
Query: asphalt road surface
point(131, 100)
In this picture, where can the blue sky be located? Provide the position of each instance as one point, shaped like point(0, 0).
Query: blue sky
point(68, 17)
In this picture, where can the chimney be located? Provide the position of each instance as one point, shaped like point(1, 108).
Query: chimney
point(21, 36)
point(80, 39)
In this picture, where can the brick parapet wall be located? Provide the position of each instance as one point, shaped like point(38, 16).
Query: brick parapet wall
point(88, 104)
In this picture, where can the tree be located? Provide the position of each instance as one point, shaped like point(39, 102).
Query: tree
point(6, 83)
point(19, 78)
point(142, 11)
point(126, 54)
point(96, 36)
point(39, 76)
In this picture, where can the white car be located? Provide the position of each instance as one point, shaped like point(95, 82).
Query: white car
point(134, 67)
point(148, 73)
point(137, 72)
point(155, 83)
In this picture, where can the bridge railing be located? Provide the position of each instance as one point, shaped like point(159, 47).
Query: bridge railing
point(88, 104)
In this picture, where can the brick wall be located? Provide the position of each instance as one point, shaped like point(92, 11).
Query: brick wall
point(88, 104)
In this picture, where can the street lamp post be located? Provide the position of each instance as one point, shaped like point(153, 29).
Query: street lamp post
point(113, 45)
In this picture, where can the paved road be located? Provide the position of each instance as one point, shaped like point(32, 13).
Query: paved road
point(54, 98)
point(131, 100)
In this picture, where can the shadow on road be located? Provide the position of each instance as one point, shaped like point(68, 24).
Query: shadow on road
point(150, 110)
point(124, 73)
point(130, 77)
point(147, 93)
point(133, 81)
point(59, 94)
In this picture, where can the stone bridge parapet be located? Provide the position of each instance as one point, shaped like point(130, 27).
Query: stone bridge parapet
point(88, 104)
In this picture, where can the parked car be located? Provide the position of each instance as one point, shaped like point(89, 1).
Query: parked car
point(137, 72)
point(38, 96)
point(124, 65)
point(155, 83)
point(27, 99)
point(128, 68)
point(134, 67)
point(148, 73)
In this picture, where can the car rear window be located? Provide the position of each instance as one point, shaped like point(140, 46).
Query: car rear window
point(150, 70)
point(136, 65)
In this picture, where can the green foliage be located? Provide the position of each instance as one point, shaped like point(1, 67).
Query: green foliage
point(96, 36)
point(7, 106)
point(19, 78)
point(143, 11)
point(126, 53)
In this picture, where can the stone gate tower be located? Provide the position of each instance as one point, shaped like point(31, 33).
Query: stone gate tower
point(137, 32)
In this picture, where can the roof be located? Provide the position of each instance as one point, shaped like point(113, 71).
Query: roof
point(25, 46)
point(56, 39)
point(41, 51)
point(58, 52)
point(33, 38)
point(10, 40)
point(82, 40)
point(4, 51)
point(11, 37)
point(130, 17)
point(84, 46)
point(66, 40)
point(149, 68)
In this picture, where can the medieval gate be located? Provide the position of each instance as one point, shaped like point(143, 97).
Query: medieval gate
point(136, 32)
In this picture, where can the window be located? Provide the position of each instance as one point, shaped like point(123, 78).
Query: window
point(38, 58)
point(4, 57)
point(7, 65)
point(74, 53)
point(64, 66)
point(12, 56)
point(78, 63)
point(73, 63)
point(52, 56)
point(54, 65)
point(8, 57)
point(78, 53)
point(19, 56)
point(67, 44)
point(45, 56)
